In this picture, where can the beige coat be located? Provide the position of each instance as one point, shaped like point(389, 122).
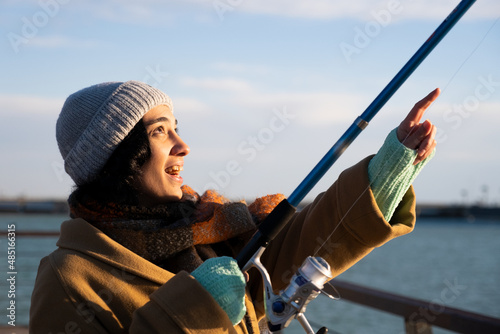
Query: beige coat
point(91, 284)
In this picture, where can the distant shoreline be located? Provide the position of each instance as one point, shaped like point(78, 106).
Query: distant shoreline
point(423, 210)
point(34, 206)
point(458, 211)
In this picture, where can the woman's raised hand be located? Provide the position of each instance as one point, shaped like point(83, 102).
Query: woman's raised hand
point(419, 136)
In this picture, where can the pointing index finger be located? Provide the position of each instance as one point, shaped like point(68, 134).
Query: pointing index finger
point(416, 113)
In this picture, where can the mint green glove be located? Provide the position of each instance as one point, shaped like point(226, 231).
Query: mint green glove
point(222, 277)
point(391, 172)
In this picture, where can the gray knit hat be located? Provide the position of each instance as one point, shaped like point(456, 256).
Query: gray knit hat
point(94, 120)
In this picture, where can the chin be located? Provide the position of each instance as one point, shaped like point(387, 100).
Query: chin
point(158, 199)
point(173, 196)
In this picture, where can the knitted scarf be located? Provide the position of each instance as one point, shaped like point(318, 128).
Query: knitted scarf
point(179, 235)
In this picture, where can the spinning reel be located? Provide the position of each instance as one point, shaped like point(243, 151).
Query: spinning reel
point(305, 285)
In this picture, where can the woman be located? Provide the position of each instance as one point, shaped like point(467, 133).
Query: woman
point(145, 254)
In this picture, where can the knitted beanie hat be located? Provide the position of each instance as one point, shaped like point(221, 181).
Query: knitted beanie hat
point(94, 121)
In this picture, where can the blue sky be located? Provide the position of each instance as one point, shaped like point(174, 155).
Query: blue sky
point(261, 89)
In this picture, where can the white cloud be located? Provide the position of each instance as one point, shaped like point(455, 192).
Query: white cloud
point(57, 41)
point(311, 108)
point(240, 68)
point(315, 9)
point(453, 114)
point(492, 110)
point(29, 105)
point(155, 12)
point(315, 108)
point(359, 9)
point(191, 108)
point(222, 84)
point(145, 12)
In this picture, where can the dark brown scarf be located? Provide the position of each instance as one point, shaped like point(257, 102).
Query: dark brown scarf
point(179, 235)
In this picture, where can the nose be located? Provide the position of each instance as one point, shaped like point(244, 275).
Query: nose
point(180, 148)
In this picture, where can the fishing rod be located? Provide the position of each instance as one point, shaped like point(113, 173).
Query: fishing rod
point(307, 283)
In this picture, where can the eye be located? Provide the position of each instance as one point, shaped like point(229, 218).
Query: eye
point(159, 129)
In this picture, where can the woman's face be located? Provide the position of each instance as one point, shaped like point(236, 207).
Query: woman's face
point(160, 180)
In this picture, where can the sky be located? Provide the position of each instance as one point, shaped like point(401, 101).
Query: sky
point(261, 89)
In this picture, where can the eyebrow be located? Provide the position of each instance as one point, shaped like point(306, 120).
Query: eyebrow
point(158, 120)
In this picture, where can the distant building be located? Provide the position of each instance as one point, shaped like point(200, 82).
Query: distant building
point(26, 206)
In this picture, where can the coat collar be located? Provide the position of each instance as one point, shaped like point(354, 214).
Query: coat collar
point(80, 236)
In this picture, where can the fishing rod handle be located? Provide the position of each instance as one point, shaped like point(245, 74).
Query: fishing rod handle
point(267, 231)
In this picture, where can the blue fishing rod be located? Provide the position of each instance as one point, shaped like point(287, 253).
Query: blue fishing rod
point(278, 218)
point(314, 268)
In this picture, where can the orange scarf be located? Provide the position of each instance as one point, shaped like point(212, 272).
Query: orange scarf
point(180, 235)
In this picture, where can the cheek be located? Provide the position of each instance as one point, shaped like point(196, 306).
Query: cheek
point(152, 174)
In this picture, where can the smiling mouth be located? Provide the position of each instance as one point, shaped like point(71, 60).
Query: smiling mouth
point(174, 170)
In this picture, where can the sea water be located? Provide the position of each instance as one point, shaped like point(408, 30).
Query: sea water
point(458, 255)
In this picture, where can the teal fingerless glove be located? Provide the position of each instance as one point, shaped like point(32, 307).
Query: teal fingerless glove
point(222, 277)
point(391, 172)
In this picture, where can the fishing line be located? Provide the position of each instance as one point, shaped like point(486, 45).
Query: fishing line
point(282, 213)
point(470, 55)
point(285, 306)
point(405, 140)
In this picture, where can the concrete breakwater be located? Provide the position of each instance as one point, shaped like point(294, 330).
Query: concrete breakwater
point(423, 210)
point(470, 212)
point(34, 206)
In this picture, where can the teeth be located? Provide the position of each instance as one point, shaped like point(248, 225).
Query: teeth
point(173, 169)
